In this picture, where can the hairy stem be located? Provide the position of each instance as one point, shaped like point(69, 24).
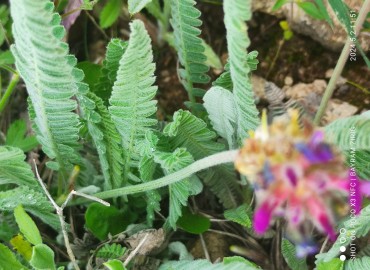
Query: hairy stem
point(341, 63)
point(8, 92)
point(204, 163)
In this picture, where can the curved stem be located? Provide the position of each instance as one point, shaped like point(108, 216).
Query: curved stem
point(281, 44)
point(341, 63)
point(8, 92)
point(358, 86)
point(207, 162)
point(10, 69)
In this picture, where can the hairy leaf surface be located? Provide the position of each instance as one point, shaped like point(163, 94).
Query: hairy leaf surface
point(192, 133)
point(351, 135)
point(360, 228)
point(179, 192)
point(43, 62)
point(13, 169)
point(108, 144)
point(340, 131)
point(33, 202)
point(185, 22)
point(236, 13)
point(147, 168)
point(220, 105)
point(115, 50)
point(132, 104)
point(290, 256)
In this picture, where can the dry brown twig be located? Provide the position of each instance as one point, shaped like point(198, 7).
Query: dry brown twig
point(59, 211)
point(136, 250)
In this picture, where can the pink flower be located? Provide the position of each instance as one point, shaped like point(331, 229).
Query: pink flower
point(297, 176)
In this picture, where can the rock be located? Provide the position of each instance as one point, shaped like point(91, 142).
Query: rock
point(338, 109)
point(217, 246)
point(301, 90)
point(266, 7)
point(318, 30)
point(288, 81)
point(258, 86)
point(151, 240)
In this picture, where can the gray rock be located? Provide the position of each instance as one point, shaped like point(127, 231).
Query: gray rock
point(318, 30)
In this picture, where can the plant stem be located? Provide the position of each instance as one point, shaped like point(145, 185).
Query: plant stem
point(6, 67)
point(8, 92)
point(358, 86)
point(204, 163)
point(281, 43)
point(341, 63)
point(1, 85)
point(59, 211)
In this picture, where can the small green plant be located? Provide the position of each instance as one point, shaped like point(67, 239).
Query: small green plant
point(99, 134)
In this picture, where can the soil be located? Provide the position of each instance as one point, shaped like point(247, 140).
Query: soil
point(301, 58)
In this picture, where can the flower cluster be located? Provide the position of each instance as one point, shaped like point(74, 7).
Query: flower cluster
point(296, 175)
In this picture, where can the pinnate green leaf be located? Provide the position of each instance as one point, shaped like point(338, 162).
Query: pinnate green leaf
point(290, 256)
point(239, 215)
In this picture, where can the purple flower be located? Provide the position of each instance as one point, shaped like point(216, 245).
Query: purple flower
point(299, 177)
point(72, 11)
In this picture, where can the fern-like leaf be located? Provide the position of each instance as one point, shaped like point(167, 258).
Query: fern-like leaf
point(360, 228)
point(340, 131)
point(290, 256)
point(185, 22)
point(147, 168)
point(240, 215)
point(236, 13)
point(115, 49)
point(225, 78)
point(13, 169)
point(362, 163)
point(220, 106)
point(192, 133)
point(132, 103)
point(156, 150)
point(180, 191)
point(43, 62)
point(351, 135)
point(33, 202)
point(111, 251)
point(108, 143)
point(357, 264)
